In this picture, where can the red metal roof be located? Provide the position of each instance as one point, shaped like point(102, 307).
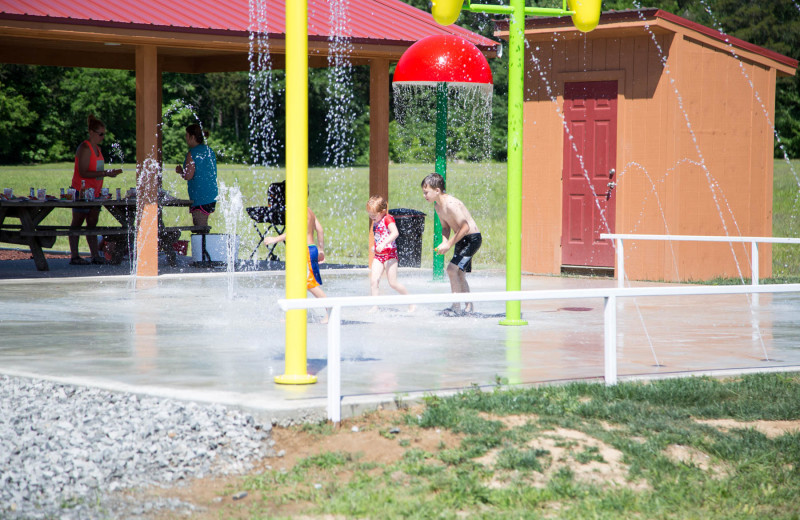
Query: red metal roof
point(369, 21)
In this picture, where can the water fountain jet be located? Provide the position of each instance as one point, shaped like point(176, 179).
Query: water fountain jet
point(442, 61)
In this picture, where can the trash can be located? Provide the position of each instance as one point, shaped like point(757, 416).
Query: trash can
point(410, 223)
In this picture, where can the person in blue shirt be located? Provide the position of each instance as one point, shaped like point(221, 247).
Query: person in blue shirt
point(199, 169)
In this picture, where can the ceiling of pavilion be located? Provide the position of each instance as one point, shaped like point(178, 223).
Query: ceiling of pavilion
point(211, 36)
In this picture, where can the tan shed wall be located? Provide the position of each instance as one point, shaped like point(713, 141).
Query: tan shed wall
point(694, 151)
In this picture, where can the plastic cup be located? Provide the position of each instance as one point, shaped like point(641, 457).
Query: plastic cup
point(8, 192)
point(104, 192)
point(90, 194)
point(71, 194)
point(41, 193)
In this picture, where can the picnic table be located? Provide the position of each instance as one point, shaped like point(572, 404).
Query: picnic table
point(32, 233)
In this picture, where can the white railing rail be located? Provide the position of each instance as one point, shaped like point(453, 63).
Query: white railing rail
point(753, 241)
point(609, 295)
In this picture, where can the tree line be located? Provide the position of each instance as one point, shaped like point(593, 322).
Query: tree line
point(43, 110)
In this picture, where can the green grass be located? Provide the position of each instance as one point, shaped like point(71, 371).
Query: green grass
point(786, 220)
point(748, 475)
point(338, 197)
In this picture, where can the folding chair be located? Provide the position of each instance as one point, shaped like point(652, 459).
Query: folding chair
point(274, 215)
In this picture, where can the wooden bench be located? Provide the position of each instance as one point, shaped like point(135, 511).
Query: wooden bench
point(200, 230)
point(168, 235)
point(64, 231)
point(45, 236)
point(59, 231)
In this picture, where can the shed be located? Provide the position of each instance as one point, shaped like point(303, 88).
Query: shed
point(650, 124)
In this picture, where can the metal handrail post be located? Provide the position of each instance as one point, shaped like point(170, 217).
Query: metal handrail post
point(610, 339)
point(754, 264)
point(335, 364)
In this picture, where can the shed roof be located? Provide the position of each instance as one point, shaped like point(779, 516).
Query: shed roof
point(657, 20)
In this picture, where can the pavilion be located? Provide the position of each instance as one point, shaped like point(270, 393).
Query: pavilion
point(154, 36)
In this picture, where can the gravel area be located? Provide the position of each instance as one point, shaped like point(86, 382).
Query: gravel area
point(67, 451)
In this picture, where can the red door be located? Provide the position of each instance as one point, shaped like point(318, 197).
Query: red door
point(590, 144)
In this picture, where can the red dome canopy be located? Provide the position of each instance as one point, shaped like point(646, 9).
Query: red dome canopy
point(443, 58)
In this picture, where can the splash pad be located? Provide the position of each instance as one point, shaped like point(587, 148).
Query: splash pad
point(586, 14)
point(149, 341)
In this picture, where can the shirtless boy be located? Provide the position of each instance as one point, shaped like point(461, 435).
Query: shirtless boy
point(316, 255)
point(465, 240)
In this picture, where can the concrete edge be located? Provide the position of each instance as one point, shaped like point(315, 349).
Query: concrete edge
point(313, 410)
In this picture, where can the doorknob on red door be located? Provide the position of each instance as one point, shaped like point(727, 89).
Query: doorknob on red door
point(611, 186)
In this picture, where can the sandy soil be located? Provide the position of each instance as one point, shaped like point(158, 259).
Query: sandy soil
point(365, 438)
point(24, 254)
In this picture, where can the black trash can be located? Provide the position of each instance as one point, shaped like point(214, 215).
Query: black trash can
point(410, 224)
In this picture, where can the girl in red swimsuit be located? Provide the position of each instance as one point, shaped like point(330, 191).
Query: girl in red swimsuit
point(385, 249)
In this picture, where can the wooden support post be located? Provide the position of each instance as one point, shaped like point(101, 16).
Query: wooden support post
point(378, 133)
point(148, 165)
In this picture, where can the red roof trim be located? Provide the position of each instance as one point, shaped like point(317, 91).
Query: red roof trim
point(122, 25)
point(192, 30)
point(730, 40)
point(374, 22)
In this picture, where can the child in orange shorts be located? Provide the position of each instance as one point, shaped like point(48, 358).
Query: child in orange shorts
point(315, 255)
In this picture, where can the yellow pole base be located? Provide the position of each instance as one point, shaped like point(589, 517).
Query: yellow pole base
point(513, 323)
point(294, 379)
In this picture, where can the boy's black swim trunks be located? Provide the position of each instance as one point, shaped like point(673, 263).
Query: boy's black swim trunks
point(464, 250)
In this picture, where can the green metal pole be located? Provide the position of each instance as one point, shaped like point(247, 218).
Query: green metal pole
point(516, 76)
point(441, 169)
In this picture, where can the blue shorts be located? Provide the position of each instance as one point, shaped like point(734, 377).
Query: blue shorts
point(313, 278)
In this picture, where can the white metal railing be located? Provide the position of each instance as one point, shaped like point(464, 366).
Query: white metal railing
point(609, 295)
point(754, 241)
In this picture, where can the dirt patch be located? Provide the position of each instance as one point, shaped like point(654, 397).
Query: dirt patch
point(694, 457)
point(384, 438)
point(771, 429)
point(367, 439)
point(510, 421)
point(590, 460)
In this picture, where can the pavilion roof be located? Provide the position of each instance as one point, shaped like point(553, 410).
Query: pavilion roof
point(368, 21)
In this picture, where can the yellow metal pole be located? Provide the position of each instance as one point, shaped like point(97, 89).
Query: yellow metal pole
point(296, 189)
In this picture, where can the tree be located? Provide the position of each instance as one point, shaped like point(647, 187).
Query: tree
point(15, 115)
point(108, 94)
